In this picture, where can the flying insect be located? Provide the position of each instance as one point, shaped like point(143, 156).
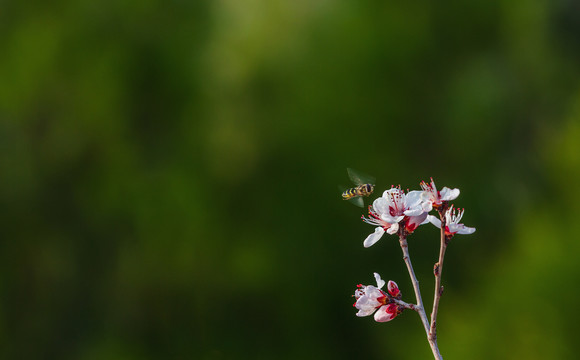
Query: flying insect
point(365, 187)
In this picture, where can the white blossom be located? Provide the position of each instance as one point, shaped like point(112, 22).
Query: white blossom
point(452, 225)
point(371, 299)
point(389, 211)
point(434, 198)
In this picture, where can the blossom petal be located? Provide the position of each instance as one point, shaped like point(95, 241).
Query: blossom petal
point(394, 190)
point(365, 312)
point(426, 195)
point(466, 230)
point(392, 219)
point(374, 294)
point(366, 302)
point(393, 229)
point(380, 282)
point(414, 198)
point(448, 194)
point(381, 205)
point(427, 206)
point(414, 211)
point(374, 237)
point(435, 221)
point(414, 221)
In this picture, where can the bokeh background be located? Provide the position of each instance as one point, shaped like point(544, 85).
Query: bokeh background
point(169, 173)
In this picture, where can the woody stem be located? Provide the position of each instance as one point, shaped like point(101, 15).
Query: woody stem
point(437, 271)
point(421, 308)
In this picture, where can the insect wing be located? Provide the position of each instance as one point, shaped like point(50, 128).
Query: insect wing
point(360, 178)
point(357, 201)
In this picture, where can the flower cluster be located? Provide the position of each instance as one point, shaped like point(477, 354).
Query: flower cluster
point(397, 211)
point(400, 212)
point(393, 209)
point(370, 299)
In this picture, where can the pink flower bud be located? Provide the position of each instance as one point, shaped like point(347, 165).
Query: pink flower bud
point(392, 309)
point(393, 289)
point(386, 313)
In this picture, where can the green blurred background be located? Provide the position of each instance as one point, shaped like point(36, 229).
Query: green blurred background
point(169, 172)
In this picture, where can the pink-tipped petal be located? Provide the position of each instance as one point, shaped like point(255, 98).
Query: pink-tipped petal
point(413, 222)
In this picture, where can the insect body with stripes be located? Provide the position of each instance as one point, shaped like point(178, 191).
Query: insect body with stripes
point(365, 187)
point(361, 190)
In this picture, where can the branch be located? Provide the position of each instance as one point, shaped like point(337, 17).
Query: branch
point(419, 308)
point(437, 271)
point(405, 305)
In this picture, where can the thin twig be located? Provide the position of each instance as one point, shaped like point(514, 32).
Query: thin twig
point(405, 305)
point(421, 308)
point(437, 271)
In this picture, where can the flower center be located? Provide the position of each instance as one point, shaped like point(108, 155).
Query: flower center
point(396, 202)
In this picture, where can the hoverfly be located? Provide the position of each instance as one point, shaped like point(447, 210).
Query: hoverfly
point(365, 186)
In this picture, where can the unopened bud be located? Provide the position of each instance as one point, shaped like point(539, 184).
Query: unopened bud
point(393, 289)
point(387, 313)
point(393, 309)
